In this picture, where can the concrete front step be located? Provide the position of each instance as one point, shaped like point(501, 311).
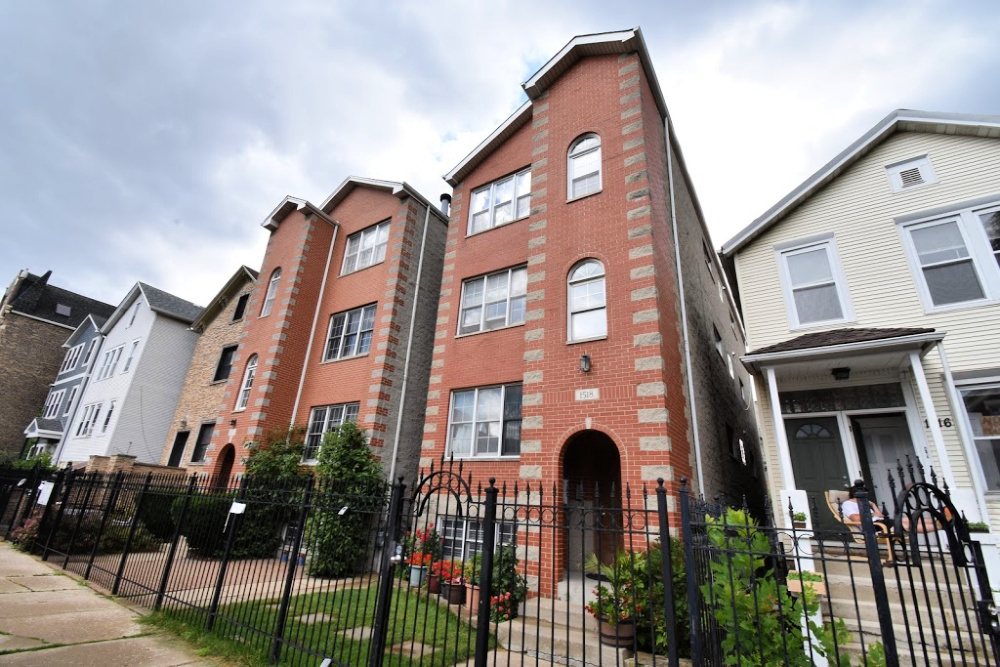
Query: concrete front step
point(560, 645)
point(867, 610)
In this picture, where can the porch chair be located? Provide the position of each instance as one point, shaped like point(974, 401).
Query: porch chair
point(835, 498)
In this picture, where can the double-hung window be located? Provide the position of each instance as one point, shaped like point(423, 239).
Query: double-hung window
point(110, 362)
point(202, 443)
point(982, 407)
point(366, 248)
point(463, 538)
point(814, 284)
point(493, 301)
point(71, 359)
point(225, 366)
point(588, 306)
point(248, 376)
point(131, 356)
point(500, 202)
point(956, 258)
point(485, 421)
point(87, 420)
point(272, 292)
point(90, 351)
point(326, 418)
point(583, 166)
point(52, 404)
point(350, 333)
point(72, 397)
point(107, 417)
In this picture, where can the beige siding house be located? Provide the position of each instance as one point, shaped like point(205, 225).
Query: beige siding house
point(871, 298)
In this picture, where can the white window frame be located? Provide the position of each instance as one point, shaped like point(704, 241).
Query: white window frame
point(322, 420)
point(110, 362)
point(991, 383)
point(107, 417)
point(71, 359)
point(829, 244)
point(461, 535)
point(52, 404)
point(247, 385)
point(135, 311)
point(85, 427)
point(272, 292)
point(976, 241)
point(570, 312)
point(521, 181)
point(352, 260)
point(508, 300)
point(571, 157)
point(130, 357)
point(73, 391)
point(475, 409)
point(341, 351)
point(923, 164)
point(90, 350)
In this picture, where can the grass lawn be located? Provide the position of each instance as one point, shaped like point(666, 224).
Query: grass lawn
point(335, 625)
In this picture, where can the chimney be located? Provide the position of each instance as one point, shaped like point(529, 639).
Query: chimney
point(446, 204)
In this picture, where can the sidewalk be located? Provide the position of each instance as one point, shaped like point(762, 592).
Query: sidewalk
point(48, 618)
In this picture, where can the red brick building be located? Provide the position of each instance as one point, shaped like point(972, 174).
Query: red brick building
point(339, 325)
point(567, 351)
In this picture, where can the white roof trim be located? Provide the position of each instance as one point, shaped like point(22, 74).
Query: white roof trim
point(519, 116)
point(398, 189)
point(933, 122)
point(814, 353)
point(289, 205)
point(580, 40)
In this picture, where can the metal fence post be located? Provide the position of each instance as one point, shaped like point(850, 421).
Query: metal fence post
point(691, 573)
point(486, 574)
point(667, 572)
point(31, 482)
point(134, 526)
point(878, 581)
point(387, 573)
point(233, 525)
point(293, 559)
point(161, 590)
point(66, 477)
point(108, 511)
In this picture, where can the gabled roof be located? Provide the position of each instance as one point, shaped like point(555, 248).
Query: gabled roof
point(159, 302)
point(397, 188)
point(44, 428)
point(900, 120)
point(37, 298)
point(582, 46)
point(94, 321)
point(243, 275)
point(288, 206)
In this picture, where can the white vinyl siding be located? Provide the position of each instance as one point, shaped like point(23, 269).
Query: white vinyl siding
point(366, 248)
point(502, 201)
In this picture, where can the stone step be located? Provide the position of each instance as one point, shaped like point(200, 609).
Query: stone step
point(562, 645)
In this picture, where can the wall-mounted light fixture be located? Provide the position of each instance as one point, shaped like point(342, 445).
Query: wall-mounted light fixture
point(585, 363)
point(184, 424)
point(841, 373)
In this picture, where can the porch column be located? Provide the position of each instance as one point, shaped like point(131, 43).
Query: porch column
point(781, 438)
point(932, 419)
point(965, 435)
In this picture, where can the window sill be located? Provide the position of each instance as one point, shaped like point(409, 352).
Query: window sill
point(486, 331)
point(351, 273)
point(469, 234)
point(240, 410)
point(964, 305)
point(335, 361)
point(215, 382)
point(589, 194)
point(509, 457)
point(586, 340)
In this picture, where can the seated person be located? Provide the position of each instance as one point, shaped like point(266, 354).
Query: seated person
point(852, 512)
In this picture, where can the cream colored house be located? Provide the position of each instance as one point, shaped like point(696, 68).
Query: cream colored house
point(871, 299)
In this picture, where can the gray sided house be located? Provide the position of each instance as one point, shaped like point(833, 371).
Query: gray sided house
point(35, 319)
point(83, 348)
point(127, 406)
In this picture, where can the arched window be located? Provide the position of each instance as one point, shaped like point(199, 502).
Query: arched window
point(584, 166)
point(247, 385)
point(272, 290)
point(588, 315)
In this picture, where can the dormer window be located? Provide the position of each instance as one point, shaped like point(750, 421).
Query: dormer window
point(911, 174)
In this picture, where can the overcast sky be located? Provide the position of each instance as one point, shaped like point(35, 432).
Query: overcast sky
point(147, 140)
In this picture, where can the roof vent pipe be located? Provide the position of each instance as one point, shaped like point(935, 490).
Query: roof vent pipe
point(446, 204)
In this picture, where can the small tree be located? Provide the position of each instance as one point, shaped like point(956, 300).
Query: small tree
point(351, 496)
point(280, 461)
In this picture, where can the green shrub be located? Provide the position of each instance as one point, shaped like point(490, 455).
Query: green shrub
point(258, 532)
point(651, 627)
point(350, 476)
point(156, 514)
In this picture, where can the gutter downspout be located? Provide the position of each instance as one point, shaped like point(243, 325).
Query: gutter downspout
point(312, 332)
point(409, 346)
point(684, 324)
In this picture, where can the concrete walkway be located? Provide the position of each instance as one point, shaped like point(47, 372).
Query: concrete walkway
point(48, 618)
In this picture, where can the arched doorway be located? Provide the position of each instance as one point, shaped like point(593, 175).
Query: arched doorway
point(225, 466)
point(591, 468)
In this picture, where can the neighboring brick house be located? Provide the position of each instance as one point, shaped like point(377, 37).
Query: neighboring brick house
point(83, 347)
point(340, 325)
point(35, 320)
point(129, 403)
point(219, 325)
point(560, 352)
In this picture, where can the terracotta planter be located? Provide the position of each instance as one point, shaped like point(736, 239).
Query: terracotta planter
point(453, 593)
point(621, 635)
point(799, 525)
point(472, 596)
point(434, 583)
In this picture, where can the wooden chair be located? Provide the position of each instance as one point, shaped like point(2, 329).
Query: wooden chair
point(835, 498)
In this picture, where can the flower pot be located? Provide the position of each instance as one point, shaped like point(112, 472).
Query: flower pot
point(620, 635)
point(796, 586)
point(417, 573)
point(434, 583)
point(799, 525)
point(453, 593)
point(472, 596)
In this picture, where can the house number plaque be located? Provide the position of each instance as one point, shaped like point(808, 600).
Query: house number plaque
point(588, 394)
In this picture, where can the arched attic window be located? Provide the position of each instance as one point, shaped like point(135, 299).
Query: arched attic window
point(588, 313)
point(272, 291)
point(583, 166)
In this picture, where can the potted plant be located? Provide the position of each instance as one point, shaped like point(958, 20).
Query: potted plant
point(617, 602)
point(507, 579)
point(803, 579)
point(799, 519)
point(978, 527)
point(472, 573)
point(418, 567)
point(441, 571)
point(452, 583)
point(423, 547)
